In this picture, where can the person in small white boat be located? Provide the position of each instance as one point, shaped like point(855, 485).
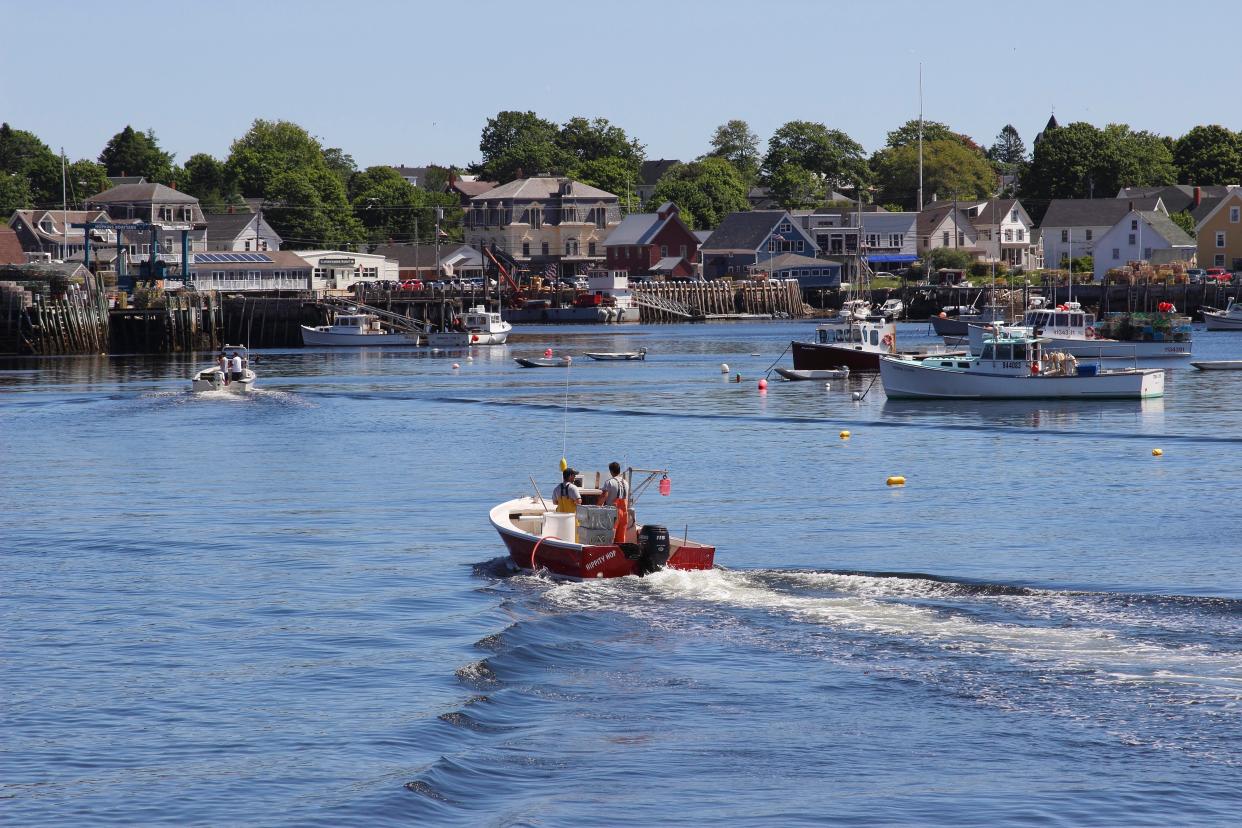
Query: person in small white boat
point(235, 366)
point(617, 493)
point(566, 495)
point(223, 362)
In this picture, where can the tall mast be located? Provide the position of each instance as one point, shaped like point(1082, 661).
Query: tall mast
point(920, 136)
point(64, 209)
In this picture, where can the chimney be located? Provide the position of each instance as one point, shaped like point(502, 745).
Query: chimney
point(1131, 206)
point(1198, 195)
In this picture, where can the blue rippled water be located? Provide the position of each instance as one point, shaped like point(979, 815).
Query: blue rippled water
point(290, 609)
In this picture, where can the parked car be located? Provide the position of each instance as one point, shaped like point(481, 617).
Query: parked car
point(410, 284)
point(1195, 275)
point(1218, 274)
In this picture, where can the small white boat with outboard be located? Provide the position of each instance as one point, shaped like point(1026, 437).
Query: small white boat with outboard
point(214, 377)
point(1014, 367)
point(1229, 319)
point(1219, 365)
point(477, 326)
point(794, 375)
point(893, 309)
point(355, 330)
point(618, 356)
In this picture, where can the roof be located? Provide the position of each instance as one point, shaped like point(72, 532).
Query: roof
point(10, 248)
point(994, 212)
point(787, 260)
point(33, 218)
point(651, 171)
point(227, 225)
point(279, 259)
point(1176, 197)
point(1165, 226)
point(1206, 210)
point(931, 218)
point(702, 235)
point(744, 231)
point(412, 172)
point(420, 256)
point(1092, 212)
point(667, 264)
point(636, 228)
point(542, 188)
point(142, 194)
point(127, 179)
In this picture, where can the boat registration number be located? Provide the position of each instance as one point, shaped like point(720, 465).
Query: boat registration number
point(1013, 364)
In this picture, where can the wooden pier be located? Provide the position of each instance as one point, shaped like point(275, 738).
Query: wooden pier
point(37, 323)
point(720, 299)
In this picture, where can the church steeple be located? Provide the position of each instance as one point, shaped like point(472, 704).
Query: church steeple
point(1052, 124)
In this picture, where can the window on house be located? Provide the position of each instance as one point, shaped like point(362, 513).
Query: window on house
point(681, 251)
point(786, 227)
point(1089, 234)
point(961, 239)
point(1218, 260)
point(536, 216)
point(800, 243)
point(1220, 238)
point(873, 240)
point(771, 245)
point(944, 238)
point(525, 248)
point(1235, 215)
point(544, 248)
point(1116, 254)
point(1147, 253)
point(590, 248)
point(1021, 233)
point(1132, 239)
point(247, 245)
point(601, 217)
point(1064, 236)
point(1009, 235)
point(1133, 224)
point(1014, 215)
point(896, 239)
point(664, 251)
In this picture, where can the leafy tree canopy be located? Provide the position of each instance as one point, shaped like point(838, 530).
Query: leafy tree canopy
point(1185, 221)
point(597, 139)
point(734, 142)
point(705, 191)
point(24, 156)
point(85, 179)
point(131, 152)
point(14, 193)
point(1208, 155)
point(270, 149)
point(796, 188)
point(517, 144)
point(949, 168)
point(1008, 147)
point(828, 153)
point(908, 133)
point(615, 175)
point(341, 163)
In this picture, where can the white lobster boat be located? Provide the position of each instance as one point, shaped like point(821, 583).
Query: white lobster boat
point(476, 326)
point(355, 330)
point(1230, 319)
point(1014, 367)
point(1072, 331)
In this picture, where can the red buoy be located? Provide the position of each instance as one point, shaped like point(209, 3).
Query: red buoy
point(666, 486)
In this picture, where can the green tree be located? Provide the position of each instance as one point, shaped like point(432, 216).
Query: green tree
point(309, 210)
point(593, 140)
point(908, 133)
point(705, 191)
point(615, 175)
point(828, 153)
point(1068, 162)
point(517, 144)
point(85, 178)
point(14, 193)
point(209, 180)
point(734, 142)
point(1008, 148)
point(131, 152)
point(267, 151)
point(796, 188)
point(1185, 221)
point(1136, 159)
point(1209, 155)
point(947, 257)
point(386, 204)
point(341, 163)
point(23, 155)
point(949, 168)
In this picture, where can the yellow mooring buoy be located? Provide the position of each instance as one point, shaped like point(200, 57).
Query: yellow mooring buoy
point(1157, 452)
point(845, 435)
point(896, 480)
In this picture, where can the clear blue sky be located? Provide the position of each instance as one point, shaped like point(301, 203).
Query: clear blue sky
point(413, 83)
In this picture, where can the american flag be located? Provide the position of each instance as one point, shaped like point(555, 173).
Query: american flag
point(549, 272)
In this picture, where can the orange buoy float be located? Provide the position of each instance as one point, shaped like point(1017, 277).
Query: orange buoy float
point(896, 480)
point(763, 385)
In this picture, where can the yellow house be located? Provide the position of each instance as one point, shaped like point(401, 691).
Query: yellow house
point(1220, 234)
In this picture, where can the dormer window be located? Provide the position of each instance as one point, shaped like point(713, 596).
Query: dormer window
point(46, 225)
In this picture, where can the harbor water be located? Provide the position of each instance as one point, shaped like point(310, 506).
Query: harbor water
point(290, 609)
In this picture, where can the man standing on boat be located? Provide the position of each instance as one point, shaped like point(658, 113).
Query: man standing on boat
point(566, 494)
point(236, 365)
point(224, 367)
point(617, 493)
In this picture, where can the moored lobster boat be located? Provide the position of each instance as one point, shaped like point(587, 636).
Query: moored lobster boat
point(532, 532)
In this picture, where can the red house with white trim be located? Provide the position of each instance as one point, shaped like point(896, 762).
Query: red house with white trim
point(653, 244)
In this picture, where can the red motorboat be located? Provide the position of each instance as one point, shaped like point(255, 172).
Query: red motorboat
point(581, 546)
point(849, 342)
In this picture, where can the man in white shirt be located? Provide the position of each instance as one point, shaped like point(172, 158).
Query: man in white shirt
point(617, 494)
point(236, 367)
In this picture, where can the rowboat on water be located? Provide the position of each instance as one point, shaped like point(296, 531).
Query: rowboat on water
point(1219, 365)
point(544, 362)
point(617, 356)
point(793, 374)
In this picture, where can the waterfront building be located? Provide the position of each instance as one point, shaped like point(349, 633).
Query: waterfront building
point(418, 261)
point(1005, 233)
point(1219, 233)
point(946, 224)
point(1149, 236)
point(175, 215)
point(249, 271)
point(811, 273)
point(240, 231)
point(746, 239)
point(1074, 226)
point(658, 243)
point(336, 270)
point(555, 226)
point(50, 235)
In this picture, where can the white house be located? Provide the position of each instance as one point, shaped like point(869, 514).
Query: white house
point(1142, 235)
point(943, 224)
point(240, 232)
point(342, 269)
point(1004, 231)
point(1072, 227)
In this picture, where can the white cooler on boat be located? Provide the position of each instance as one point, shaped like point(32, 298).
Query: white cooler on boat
point(559, 525)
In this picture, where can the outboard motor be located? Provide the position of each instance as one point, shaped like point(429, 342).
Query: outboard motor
point(654, 548)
